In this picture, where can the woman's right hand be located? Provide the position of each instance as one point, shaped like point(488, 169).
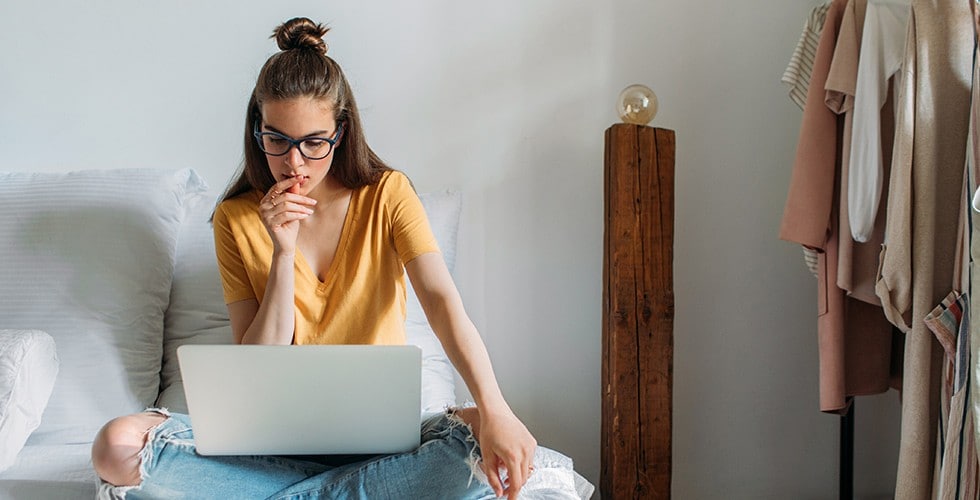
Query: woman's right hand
point(281, 210)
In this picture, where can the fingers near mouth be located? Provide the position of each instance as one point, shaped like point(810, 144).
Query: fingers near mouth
point(301, 180)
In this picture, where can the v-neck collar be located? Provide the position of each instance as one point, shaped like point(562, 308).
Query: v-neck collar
point(303, 266)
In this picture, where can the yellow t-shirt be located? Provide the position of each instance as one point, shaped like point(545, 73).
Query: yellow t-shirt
point(362, 300)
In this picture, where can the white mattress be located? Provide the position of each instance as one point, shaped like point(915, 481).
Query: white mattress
point(50, 472)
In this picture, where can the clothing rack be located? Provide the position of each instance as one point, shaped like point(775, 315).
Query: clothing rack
point(847, 453)
point(937, 48)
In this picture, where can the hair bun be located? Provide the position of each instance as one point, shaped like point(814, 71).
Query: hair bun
point(301, 33)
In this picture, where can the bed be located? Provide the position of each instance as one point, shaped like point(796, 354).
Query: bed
point(117, 269)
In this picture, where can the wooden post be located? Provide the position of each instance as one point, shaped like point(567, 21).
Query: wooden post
point(637, 313)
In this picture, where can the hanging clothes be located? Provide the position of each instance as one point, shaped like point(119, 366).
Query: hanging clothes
point(974, 150)
point(857, 261)
point(958, 468)
point(869, 127)
point(883, 47)
point(810, 218)
point(925, 183)
point(806, 216)
point(797, 74)
point(877, 347)
point(857, 264)
point(973, 170)
point(797, 77)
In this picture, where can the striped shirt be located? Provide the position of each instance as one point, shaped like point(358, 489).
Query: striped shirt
point(797, 74)
point(950, 322)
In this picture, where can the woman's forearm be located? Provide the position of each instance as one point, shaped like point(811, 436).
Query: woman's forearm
point(274, 321)
point(466, 351)
point(444, 309)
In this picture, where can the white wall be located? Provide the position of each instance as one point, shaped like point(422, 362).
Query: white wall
point(508, 102)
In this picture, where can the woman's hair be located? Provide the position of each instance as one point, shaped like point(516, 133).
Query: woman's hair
point(302, 69)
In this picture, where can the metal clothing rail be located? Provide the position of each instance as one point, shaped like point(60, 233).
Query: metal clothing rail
point(847, 453)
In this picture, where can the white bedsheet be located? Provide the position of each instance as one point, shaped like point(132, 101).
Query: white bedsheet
point(50, 472)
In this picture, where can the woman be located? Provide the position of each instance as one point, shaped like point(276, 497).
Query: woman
point(311, 241)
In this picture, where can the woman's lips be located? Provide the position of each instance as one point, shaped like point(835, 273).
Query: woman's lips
point(302, 180)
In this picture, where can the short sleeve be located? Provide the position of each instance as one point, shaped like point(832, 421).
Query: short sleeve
point(797, 74)
point(411, 234)
point(234, 278)
point(842, 78)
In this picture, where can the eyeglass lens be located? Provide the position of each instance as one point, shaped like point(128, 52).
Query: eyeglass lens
point(312, 148)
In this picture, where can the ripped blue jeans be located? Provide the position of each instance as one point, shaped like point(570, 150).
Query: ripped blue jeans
point(441, 467)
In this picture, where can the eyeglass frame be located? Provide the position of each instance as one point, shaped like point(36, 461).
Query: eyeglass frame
point(296, 143)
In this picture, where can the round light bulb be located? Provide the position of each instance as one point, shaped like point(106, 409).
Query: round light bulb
point(637, 104)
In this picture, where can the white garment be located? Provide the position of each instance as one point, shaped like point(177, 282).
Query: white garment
point(882, 50)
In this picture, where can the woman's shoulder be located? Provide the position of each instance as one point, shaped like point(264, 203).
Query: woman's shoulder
point(390, 175)
point(393, 183)
point(391, 189)
point(237, 206)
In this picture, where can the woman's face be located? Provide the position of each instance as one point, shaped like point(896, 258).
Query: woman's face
point(300, 118)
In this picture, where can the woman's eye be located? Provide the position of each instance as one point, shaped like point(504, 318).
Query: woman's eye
point(315, 143)
point(275, 140)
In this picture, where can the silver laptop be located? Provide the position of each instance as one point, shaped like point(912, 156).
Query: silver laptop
point(302, 400)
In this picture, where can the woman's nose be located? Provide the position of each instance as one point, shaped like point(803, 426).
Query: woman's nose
point(293, 157)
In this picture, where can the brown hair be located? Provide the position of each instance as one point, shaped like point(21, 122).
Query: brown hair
point(302, 69)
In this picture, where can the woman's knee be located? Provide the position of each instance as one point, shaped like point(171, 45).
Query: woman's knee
point(117, 447)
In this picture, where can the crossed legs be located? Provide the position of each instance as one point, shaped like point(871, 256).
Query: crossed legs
point(116, 452)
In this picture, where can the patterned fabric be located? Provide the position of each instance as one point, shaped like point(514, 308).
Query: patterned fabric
point(958, 467)
point(958, 464)
point(797, 74)
point(944, 322)
point(810, 259)
point(973, 164)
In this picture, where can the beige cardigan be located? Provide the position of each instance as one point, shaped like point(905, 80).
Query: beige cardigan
point(926, 183)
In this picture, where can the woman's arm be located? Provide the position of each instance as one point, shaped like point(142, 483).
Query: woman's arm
point(272, 322)
point(504, 440)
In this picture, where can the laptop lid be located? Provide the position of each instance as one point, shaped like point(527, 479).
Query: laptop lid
point(309, 400)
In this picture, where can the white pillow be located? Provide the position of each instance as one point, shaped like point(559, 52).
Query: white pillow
point(198, 315)
point(88, 257)
point(28, 369)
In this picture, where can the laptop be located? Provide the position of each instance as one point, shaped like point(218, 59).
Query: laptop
point(302, 400)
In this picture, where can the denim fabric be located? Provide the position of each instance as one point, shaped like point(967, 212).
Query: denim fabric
point(442, 467)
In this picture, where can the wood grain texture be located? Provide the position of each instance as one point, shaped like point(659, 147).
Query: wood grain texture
point(637, 313)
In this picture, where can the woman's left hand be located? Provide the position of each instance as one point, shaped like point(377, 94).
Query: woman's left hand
point(505, 443)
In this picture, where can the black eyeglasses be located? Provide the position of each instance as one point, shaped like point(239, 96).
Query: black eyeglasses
point(312, 148)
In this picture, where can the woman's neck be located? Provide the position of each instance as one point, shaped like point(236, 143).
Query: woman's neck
point(329, 190)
